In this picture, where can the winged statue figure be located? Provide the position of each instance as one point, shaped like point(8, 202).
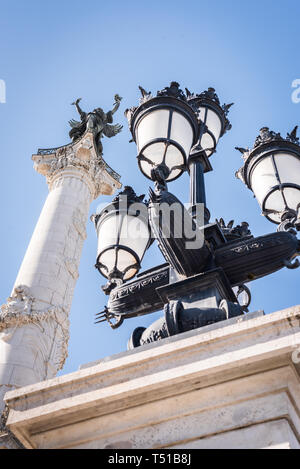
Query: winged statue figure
point(96, 121)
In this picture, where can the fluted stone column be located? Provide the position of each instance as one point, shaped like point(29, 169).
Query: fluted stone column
point(34, 325)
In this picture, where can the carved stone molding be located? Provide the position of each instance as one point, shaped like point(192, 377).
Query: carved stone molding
point(19, 303)
point(19, 311)
point(81, 155)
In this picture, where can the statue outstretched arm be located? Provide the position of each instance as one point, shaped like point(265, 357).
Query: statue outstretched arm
point(118, 99)
point(79, 110)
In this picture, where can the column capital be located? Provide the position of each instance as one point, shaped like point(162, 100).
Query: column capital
point(78, 157)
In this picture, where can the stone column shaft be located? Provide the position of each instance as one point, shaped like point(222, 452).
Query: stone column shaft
point(50, 265)
point(34, 325)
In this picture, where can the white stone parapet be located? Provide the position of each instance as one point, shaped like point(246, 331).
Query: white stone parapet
point(34, 325)
point(234, 384)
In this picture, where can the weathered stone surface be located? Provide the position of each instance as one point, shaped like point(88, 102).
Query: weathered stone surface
point(235, 386)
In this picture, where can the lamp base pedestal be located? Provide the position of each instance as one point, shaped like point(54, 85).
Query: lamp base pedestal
point(189, 304)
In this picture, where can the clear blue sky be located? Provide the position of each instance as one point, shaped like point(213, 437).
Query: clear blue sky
point(53, 52)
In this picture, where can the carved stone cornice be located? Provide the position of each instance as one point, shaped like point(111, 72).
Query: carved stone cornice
point(19, 310)
point(81, 155)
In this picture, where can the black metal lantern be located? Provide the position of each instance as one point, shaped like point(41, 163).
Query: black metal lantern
point(164, 128)
point(123, 237)
point(272, 171)
point(213, 117)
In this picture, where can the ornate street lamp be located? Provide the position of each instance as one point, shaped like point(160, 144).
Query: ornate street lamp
point(123, 237)
point(177, 132)
point(271, 170)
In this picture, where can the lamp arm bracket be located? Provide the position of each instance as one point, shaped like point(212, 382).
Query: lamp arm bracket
point(292, 265)
point(288, 226)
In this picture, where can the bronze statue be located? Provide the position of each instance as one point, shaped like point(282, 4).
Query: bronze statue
point(97, 122)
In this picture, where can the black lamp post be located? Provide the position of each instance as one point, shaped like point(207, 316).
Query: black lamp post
point(177, 132)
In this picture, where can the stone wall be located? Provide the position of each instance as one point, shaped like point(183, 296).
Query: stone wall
point(234, 384)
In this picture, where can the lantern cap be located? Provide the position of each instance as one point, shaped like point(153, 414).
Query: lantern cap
point(171, 93)
point(130, 194)
point(127, 194)
point(266, 136)
point(210, 98)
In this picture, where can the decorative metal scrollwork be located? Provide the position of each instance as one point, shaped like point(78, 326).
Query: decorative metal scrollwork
point(106, 315)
